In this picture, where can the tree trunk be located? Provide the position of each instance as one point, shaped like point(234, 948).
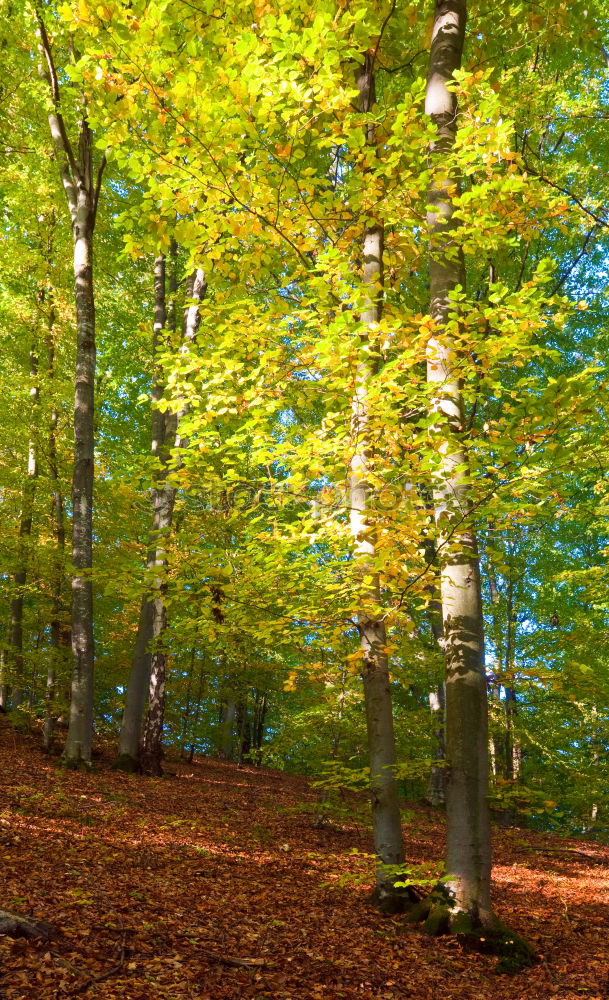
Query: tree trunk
point(228, 715)
point(152, 738)
point(244, 729)
point(82, 190)
point(80, 730)
point(386, 820)
point(188, 706)
point(61, 635)
point(164, 500)
point(436, 789)
point(4, 685)
point(195, 722)
point(139, 677)
point(468, 850)
point(25, 533)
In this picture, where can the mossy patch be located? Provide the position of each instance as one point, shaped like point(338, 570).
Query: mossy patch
point(437, 917)
point(514, 953)
point(128, 764)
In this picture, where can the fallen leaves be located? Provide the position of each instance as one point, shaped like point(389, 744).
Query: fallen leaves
point(211, 887)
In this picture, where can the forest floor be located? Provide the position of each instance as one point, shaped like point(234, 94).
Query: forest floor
point(214, 883)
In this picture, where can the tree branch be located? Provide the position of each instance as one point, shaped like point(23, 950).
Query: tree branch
point(69, 171)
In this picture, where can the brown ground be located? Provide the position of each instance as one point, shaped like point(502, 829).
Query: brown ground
point(158, 885)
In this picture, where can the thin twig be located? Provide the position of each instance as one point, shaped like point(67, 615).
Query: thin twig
point(92, 980)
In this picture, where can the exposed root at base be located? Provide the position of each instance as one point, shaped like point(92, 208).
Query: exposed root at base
point(125, 762)
point(437, 917)
point(392, 899)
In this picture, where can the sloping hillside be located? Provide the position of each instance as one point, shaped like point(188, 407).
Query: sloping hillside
point(216, 884)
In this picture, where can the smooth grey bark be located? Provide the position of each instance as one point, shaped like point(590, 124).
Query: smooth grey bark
point(82, 187)
point(386, 820)
point(164, 500)
point(436, 788)
point(139, 677)
point(468, 849)
point(28, 493)
point(61, 634)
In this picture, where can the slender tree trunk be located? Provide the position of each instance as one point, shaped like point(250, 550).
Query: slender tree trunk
point(244, 729)
point(495, 748)
point(187, 707)
point(61, 635)
point(25, 534)
point(164, 500)
point(510, 750)
point(468, 850)
point(263, 707)
point(139, 677)
point(227, 725)
point(80, 730)
point(386, 820)
point(152, 739)
point(197, 716)
point(82, 190)
point(4, 685)
point(436, 789)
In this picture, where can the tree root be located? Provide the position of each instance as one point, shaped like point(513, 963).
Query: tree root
point(437, 916)
point(125, 762)
point(15, 926)
point(390, 899)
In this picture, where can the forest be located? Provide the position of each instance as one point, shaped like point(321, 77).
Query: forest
point(305, 547)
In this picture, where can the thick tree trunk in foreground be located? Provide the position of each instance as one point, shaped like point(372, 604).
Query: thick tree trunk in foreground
point(386, 820)
point(466, 905)
point(468, 850)
point(82, 189)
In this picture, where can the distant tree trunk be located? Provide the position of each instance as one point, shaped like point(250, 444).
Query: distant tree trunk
point(228, 713)
point(28, 493)
point(386, 820)
point(495, 748)
point(436, 789)
point(4, 686)
point(82, 190)
point(187, 707)
point(197, 714)
point(511, 755)
point(261, 705)
point(468, 851)
point(164, 500)
point(139, 677)
point(244, 729)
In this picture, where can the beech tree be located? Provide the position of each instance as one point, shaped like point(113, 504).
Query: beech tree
point(468, 849)
point(82, 187)
point(376, 436)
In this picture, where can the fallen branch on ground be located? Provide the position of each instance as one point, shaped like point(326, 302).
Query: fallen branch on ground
point(15, 926)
